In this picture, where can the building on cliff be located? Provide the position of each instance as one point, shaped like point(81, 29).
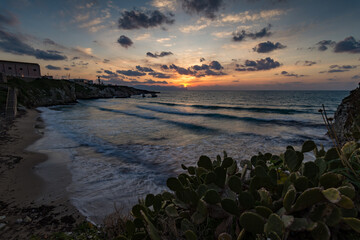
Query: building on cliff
point(20, 69)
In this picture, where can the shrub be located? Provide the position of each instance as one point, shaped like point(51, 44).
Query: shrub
point(270, 197)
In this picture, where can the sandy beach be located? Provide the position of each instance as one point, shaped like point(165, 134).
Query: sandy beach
point(30, 205)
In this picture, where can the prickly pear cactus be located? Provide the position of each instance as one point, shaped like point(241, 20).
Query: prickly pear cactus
point(285, 196)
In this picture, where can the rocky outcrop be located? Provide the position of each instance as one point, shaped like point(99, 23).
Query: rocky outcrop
point(347, 118)
point(48, 92)
point(85, 91)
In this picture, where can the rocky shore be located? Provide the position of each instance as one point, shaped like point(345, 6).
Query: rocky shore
point(347, 118)
point(48, 92)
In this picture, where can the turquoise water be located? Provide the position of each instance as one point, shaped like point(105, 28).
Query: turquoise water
point(122, 149)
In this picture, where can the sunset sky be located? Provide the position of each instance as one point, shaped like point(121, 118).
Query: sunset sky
point(198, 44)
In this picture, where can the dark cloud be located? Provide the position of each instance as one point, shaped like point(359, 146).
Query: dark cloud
point(75, 58)
point(109, 72)
point(197, 70)
point(106, 60)
point(12, 43)
point(287, 74)
point(339, 68)
point(67, 69)
point(144, 69)
point(258, 65)
point(136, 19)
point(349, 44)
point(213, 73)
point(325, 44)
point(98, 71)
point(356, 77)
point(159, 75)
point(156, 55)
point(131, 73)
point(7, 18)
point(124, 41)
point(268, 46)
point(164, 67)
point(51, 67)
point(241, 36)
point(181, 70)
point(309, 63)
point(202, 59)
point(208, 8)
point(215, 65)
point(150, 81)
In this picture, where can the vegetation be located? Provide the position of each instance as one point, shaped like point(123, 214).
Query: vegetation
point(272, 197)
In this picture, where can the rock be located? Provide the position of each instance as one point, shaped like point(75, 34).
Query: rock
point(2, 225)
point(19, 220)
point(347, 118)
point(2, 217)
point(27, 219)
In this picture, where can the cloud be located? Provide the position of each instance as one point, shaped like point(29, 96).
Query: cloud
point(247, 16)
point(241, 36)
point(356, 77)
point(222, 34)
point(192, 28)
point(156, 55)
point(164, 4)
point(339, 68)
point(144, 69)
point(208, 8)
point(213, 73)
point(109, 72)
point(142, 37)
point(268, 46)
point(258, 65)
point(99, 71)
point(159, 75)
point(309, 63)
point(202, 59)
point(150, 81)
point(12, 43)
point(106, 60)
point(51, 67)
point(124, 41)
point(131, 73)
point(215, 65)
point(325, 44)
point(197, 70)
point(83, 52)
point(287, 74)
point(349, 44)
point(135, 19)
point(8, 18)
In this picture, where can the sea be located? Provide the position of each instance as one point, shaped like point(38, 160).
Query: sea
point(120, 149)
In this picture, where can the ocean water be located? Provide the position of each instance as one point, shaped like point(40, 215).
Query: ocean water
point(119, 150)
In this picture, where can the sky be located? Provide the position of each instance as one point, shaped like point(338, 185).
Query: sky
point(189, 44)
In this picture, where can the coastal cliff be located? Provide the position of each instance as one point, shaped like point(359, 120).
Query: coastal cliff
point(47, 92)
point(347, 118)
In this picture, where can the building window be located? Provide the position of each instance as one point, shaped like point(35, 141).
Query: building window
point(9, 68)
point(20, 69)
point(34, 70)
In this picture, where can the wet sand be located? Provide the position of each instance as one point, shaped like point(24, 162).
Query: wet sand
point(29, 205)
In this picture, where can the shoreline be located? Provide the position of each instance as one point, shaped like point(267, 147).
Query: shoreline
point(29, 204)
